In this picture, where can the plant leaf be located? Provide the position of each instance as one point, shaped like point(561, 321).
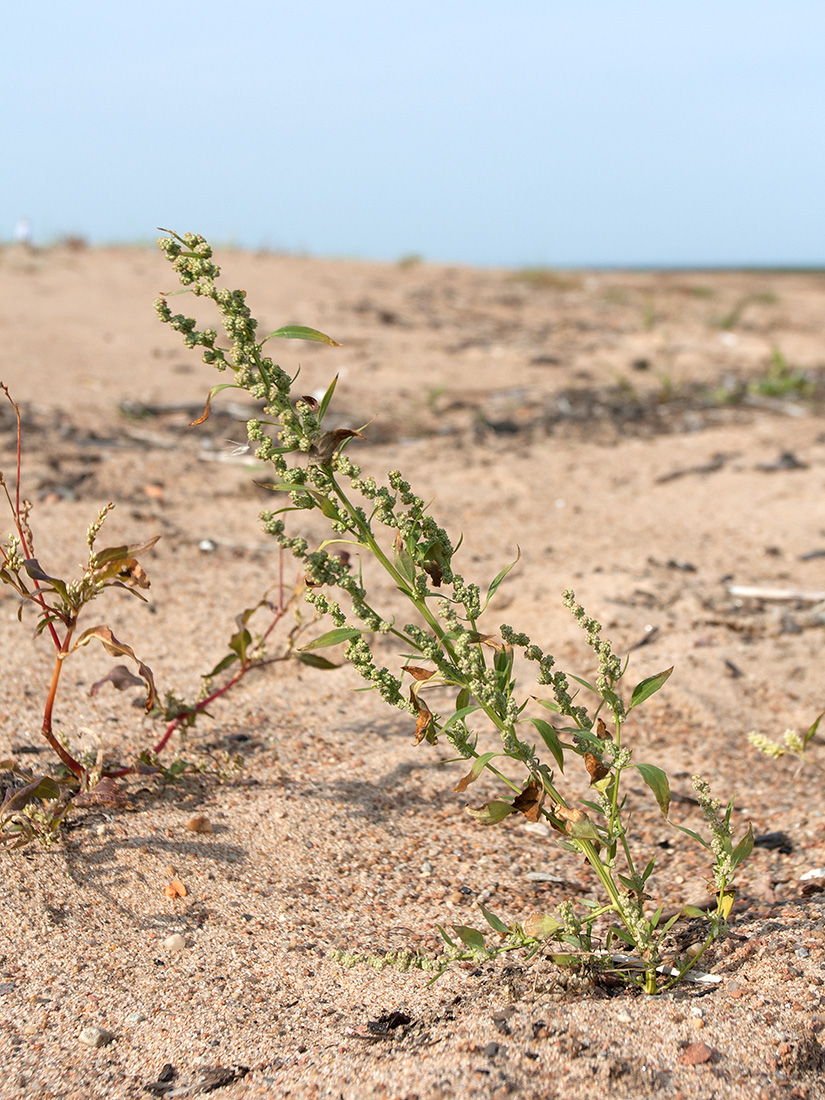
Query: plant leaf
point(300, 332)
point(117, 649)
point(551, 740)
point(495, 922)
point(743, 849)
point(499, 578)
point(315, 660)
point(478, 767)
point(471, 938)
point(657, 780)
point(208, 406)
point(491, 812)
point(332, 637)
point(648, 687)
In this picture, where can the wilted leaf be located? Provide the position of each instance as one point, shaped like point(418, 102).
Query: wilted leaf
point(207, 408)
point(576, 823)
point(424, 727)
point(601, 731)
point(474, 772)
point(118, 649)
point(310, 402)
point(541, 926)
point(329, 442)
point(434, 571)
point(32, 567)
point(120, 677)
point(529, 802)
point(419, 673)
point(491, 812)
point(106, 792)
point(488, 640)
point(595, 768)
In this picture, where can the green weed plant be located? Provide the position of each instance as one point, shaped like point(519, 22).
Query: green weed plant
point(452, 678)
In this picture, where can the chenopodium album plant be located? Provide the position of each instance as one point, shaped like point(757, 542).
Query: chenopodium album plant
point(448, 656)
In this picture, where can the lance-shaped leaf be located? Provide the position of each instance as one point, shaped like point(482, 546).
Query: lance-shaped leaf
point(208, 407)
point(495, 922)
point(119, 649)
point(315, 660)
point(402, 559)
point(657, 780)
point(478, 767)
point(491, 812)
point(418, 673)
point(332, 637)
point(491, 591)
point(648, 687)
point(551, 739)
point(301, 332)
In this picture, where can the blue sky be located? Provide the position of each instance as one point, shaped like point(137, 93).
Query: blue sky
point(597, 132)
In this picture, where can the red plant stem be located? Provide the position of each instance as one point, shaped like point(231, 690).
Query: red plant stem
point(73, 765)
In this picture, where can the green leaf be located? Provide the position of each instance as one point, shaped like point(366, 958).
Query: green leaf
point(495, 922)
point(657, 780)
point(460, 715)
point(315, 660)
point(445, 936)
point(551, 739)
point(479, 764)
point(462, 700)
point(743, 849)
point(549, 704)
point(691, 911)
point(810, 733)
point(333, 637)
point(300, 332)
point(471, 938)
point(689, 832)
point(584, 683)
point(325, 400)
point(221, 666)
point(491, 812)
point(648, 687)
point(497, 581)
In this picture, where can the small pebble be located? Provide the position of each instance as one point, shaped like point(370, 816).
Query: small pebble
point(697, 1023)
point(175, 942)
point(802, 952)
point(135, 1018)
point(426, 867)
point(199, 823)
point(624, 1018)
point(95, 1037)
point(537, 828)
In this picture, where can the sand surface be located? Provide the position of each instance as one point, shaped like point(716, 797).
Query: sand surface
point(618, 429)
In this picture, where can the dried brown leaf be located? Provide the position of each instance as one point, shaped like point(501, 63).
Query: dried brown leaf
point(424, 727)
point(595, 768)
point(419, 673)
point(530, 801)
point(120, 677)
point(601, 730)
point(329, 442)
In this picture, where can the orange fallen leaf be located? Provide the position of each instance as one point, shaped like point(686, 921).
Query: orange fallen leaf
point(175, 889)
